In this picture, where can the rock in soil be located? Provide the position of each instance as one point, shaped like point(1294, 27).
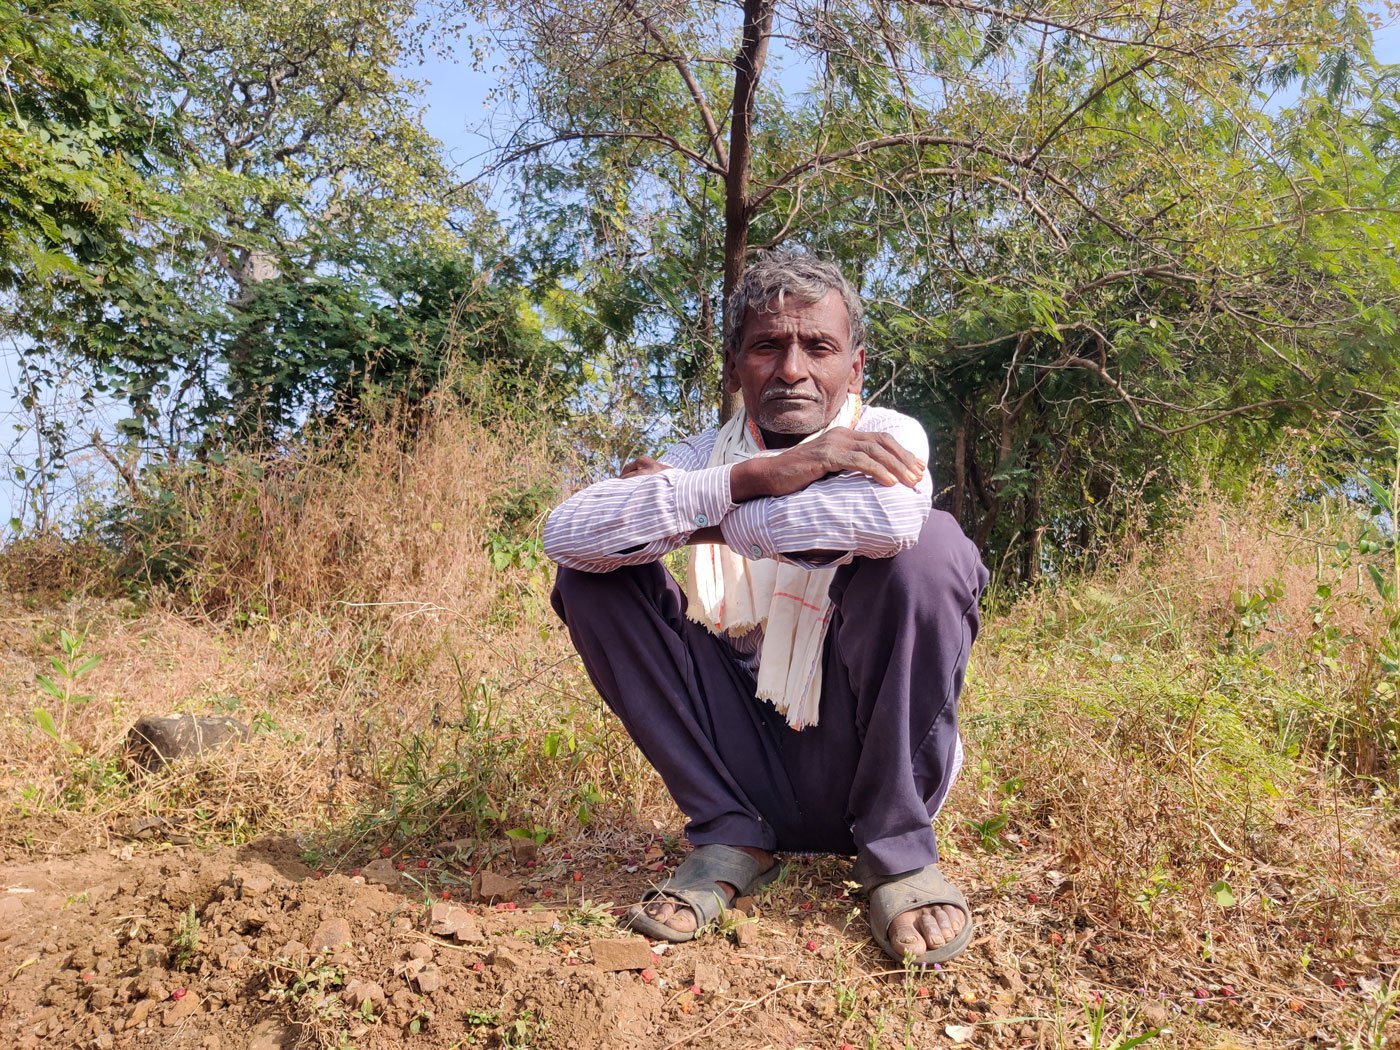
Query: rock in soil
point(155, 741)
point(488, 886)
point(633, 953)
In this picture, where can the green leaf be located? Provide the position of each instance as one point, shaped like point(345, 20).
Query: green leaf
point(45, 722)
point(49, 686)
point(1224, 895)
point(1379, 492)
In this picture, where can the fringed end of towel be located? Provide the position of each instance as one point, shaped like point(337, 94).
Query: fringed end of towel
point(795, 714)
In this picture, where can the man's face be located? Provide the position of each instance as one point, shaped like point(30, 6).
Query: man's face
point(795, 365)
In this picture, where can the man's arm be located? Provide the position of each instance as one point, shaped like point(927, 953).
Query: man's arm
point(639, 517)
point(870, 496)
point(843, 494)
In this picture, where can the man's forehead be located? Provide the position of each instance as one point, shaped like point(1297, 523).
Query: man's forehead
point(826, 312)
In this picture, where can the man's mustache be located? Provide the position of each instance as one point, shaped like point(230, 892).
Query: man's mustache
point(789, 394)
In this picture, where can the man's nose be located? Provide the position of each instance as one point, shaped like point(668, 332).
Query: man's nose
point(792, 366)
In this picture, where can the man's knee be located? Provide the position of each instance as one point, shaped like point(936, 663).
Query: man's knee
point(943, 568)
point(595, 593)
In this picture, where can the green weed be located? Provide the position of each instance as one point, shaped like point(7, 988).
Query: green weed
point(61, 687)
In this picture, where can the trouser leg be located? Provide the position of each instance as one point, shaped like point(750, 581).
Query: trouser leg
point(868, 778)
point(684, 698)
point(883, 754)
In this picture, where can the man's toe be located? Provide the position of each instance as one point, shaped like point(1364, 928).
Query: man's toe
point(933, 933)
point(905, 936)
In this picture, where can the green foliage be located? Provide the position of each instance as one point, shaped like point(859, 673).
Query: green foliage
point(186, 940)
point(61, 687)
point(1103, 261)
point(80, 137)
point(323, 261)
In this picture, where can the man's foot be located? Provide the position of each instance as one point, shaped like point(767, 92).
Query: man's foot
point(926, 929)
point(679, 916)
point(918, 915)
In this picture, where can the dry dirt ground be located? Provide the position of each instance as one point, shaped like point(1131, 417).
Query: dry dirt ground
point(154, 944)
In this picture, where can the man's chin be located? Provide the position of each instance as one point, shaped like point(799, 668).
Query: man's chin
point(793, 423)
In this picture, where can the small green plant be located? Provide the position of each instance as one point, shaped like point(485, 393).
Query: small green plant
point(525, 1030)
point(510, 552)
point(1097, 1037)
point(61, 686)
point(1254, 610)
point(423, 1018)
point(1378, 1012)
point(595, 914)
point(287, 982)
point(536, 833)
point(989, 831)
point(186, 940)
point(1158, 884)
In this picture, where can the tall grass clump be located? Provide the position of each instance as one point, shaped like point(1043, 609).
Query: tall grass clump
point(1201, 742)
point(374, 603)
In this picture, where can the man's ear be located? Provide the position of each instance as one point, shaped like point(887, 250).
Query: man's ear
point(856, 383)
point(729, 375)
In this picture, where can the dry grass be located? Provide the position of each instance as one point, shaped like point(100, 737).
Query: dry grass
point(343, 601)
point(1159, 749)
point(1148, 747)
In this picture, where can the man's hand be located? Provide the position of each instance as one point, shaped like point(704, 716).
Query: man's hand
point(641, 466)
point(878, 456)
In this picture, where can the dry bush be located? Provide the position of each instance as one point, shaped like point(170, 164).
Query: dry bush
point(1187, 723)
point(376, 608)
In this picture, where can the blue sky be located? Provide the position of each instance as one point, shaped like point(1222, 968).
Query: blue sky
point(456, 110)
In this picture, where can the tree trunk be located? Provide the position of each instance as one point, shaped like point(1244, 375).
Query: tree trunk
point(748, 68)
point(1031, 531)
point(958, 507)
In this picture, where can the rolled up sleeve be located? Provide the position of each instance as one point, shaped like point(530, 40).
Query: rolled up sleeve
point(845, 516)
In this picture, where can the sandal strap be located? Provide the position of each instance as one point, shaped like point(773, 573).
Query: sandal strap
point(695, 883)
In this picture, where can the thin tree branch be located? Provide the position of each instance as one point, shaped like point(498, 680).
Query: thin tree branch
point(682, 64)
point(522, 152)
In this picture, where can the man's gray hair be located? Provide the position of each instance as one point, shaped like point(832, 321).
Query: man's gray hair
point(780, 272)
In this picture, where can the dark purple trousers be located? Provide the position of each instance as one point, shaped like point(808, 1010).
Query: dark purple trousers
point(868, 778)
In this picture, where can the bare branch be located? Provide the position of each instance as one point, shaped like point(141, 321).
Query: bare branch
point(682, 64)
point(1078, 28)
point(529, 149)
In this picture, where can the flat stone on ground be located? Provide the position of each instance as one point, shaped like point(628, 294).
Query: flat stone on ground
point(429, 979)
point(330, 934)
point(746, 933)
point(634, 953)
point(183, 1008)
point(489, 886)
point(708, 976)
point(272, 1035)
point(381, 873)
point(504, 959)
point(156, 740)
point(452, 920)
point(251, 884)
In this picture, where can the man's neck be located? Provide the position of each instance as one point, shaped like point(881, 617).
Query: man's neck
point(774, 441)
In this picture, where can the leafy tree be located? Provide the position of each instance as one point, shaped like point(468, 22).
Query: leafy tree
point(1104, 256)
point(81, 136)
point(325, 251)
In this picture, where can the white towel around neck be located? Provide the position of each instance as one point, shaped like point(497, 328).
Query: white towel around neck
point(731, 594)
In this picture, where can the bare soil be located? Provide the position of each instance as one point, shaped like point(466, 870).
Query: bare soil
point(161, 945)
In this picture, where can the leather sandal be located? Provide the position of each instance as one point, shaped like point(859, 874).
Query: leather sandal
point(696, 885)
point(892, 895)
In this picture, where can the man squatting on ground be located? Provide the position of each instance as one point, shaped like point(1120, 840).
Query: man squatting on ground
point(800, 693)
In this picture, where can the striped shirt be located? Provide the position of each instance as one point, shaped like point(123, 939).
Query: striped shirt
point(631, 521)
